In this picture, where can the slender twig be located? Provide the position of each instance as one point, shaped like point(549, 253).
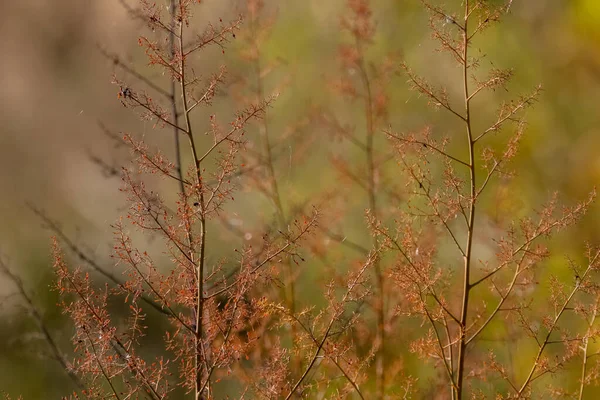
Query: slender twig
point(253, 114)
point(514, 110)
point(131, 261)
point(217, 37)
point(538, 233)
point(434, 207)
point(131, 71)
point(155, 113)
point(450, 346)
point(101, 366)
point(33, 310)
point(290, 242)
point(584, 349)
point(343, 240)
point(553, 324)
point(438, 101)
point(182, 182)
point(442, 355)
point(223, 347)
point(503, 296)
point(334, 317)
point(371, 191)
point(135, 370)
point(420, 275)
point(335, 360)
point(53, 226)
point(427, 145)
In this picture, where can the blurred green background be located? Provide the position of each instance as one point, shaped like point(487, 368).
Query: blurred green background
point(56, 91)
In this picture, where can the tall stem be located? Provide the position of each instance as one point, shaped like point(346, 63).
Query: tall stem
point(200, 361)
point(174, 112)
point(379, 298)
point(471, 221)
point(274, 192)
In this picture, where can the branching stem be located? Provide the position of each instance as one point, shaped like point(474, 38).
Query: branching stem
point(460, 373)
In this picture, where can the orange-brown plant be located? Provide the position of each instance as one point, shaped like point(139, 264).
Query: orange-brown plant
point(447, 179)
point(227, 315)
point(365, 80)
point(210, 306)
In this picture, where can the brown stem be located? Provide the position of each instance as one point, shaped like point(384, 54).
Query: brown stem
point(427, 145)
point(380, 297)
point(585, 356)
point(200, 362)
point(101, 367)
point(274, 193)
point(460, 373)
point(174, 113)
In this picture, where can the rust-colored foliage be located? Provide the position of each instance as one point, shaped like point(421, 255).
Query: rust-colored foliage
point(241, 320)
point(212, 309)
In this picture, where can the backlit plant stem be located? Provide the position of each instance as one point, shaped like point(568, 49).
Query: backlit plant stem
point(274, 192)
point(200, 361)
point(174, 112)
point(471, 221)
point(585, 347)
point(379, 298)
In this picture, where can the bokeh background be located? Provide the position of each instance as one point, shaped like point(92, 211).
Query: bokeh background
point(56, 96)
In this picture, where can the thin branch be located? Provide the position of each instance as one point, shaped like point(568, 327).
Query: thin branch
point(430, 289)
point(153, 111)
point(433, 205)
point(514, 110)
point(503, 296)
point(53, 226)
point(586, 340)
point(58, 354)
point(538, 233)
point(424, 89)
point(332, 359)
point(543, 345)
point(255, 112)
point(134, 368)
point(102, 369)
point(442, 355)
point(335, 315)
point(291, 242)
point(119, 63)
point(427, 145)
